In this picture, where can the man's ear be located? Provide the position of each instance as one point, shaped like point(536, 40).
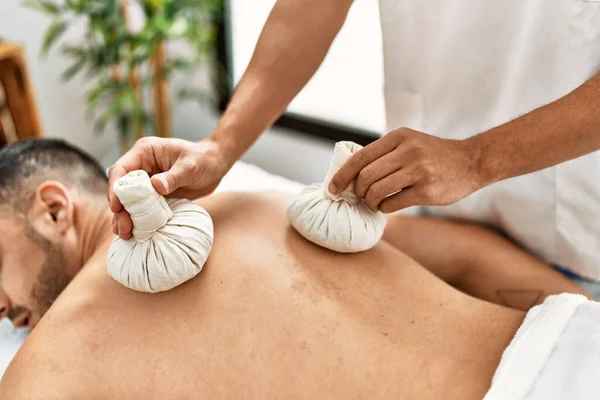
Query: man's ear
point(52, 210)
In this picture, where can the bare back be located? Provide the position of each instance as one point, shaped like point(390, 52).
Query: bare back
point(270, 316)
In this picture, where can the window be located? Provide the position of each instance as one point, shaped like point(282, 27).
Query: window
point(348, 88)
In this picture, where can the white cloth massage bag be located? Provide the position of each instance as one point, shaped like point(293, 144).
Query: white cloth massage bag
point(343, 223)
point(171, 238)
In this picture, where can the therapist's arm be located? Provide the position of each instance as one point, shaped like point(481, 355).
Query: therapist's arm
point(292, 45)
point(560, 131)
point(407, 168)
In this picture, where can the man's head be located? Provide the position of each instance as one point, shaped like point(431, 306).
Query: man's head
point(43, 182)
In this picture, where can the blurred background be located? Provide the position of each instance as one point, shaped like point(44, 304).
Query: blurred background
point(102, 73)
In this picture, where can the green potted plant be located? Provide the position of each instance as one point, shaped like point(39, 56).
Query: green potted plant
point(122, 64)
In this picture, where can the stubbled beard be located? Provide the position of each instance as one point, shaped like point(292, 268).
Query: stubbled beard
point(53, 277)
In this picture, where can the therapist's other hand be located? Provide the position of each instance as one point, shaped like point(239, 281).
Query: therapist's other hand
point(406, 168)
point(178, 168)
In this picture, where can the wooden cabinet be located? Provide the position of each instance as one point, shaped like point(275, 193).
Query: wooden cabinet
point(18, 113)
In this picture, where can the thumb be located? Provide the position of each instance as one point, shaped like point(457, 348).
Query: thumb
point(167, 182)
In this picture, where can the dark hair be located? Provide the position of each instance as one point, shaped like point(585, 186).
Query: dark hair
point(29, 162)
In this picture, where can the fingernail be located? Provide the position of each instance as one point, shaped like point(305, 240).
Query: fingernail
point(164, 182)
point(332, 188)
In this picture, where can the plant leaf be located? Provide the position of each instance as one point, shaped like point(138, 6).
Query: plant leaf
point(122, 98)
point(47, 7)
point(178, 28)
point(73, 69)
point(195, 94)
point(56, 29)
point(175, 64)
point(74, 51)
point(94, 94)
point(109, 114)
point(207, 34)
point(100, 124)
point(124, 123)
point(148, 121)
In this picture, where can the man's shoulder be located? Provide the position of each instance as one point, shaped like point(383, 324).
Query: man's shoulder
point(33, 375)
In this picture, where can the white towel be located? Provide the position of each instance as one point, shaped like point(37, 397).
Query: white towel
point(555, 354)
point(11, 339)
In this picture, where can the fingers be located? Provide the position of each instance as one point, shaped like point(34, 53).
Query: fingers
point(167, 182)
point(164, 183)
point(360, 160)
point(409, 197)
point(143, 155)
point(380, 190)
point(376, 171)
point(124, 225)
point(114, 173)
point(130, 161)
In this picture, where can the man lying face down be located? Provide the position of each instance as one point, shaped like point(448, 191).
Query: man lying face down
point(270, 316)
point(52, 219)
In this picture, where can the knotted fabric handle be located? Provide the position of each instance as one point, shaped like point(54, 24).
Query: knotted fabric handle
point(341, 153)
point(148, 209)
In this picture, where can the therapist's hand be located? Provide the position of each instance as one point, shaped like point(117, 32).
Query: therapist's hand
point(406, 168)
point(177, 168)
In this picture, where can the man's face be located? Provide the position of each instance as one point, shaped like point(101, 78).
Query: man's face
point(32, 271)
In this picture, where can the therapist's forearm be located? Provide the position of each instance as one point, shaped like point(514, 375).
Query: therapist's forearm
point(292, 45)
point(560, 131)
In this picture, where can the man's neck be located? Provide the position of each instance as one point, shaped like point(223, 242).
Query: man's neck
point(94, 227)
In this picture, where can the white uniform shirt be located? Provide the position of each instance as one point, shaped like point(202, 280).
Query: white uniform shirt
point(457, 68)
